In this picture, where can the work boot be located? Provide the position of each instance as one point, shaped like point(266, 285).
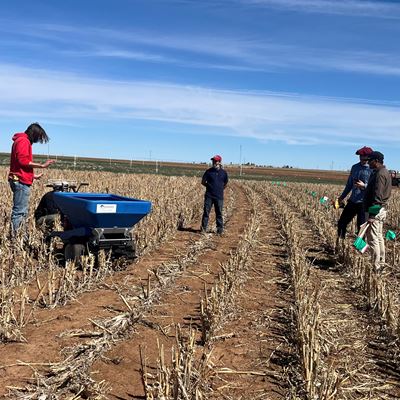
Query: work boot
point(337, 245)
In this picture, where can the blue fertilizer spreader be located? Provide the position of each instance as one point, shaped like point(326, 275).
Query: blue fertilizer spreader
point(98, 221)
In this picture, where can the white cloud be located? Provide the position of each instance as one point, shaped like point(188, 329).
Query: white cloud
point(366, 62)
point(128, 54)
point(357, 8)
point(208, 51)
point(261, 115)
point(207, 44)
point(226, 53)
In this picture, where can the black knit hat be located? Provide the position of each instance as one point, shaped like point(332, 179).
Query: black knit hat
point(376, 155)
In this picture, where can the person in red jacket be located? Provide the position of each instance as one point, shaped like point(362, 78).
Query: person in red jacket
point(22, 173)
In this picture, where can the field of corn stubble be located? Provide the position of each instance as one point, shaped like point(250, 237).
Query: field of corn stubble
point(268, 310)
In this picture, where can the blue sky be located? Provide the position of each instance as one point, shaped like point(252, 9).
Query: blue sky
point(298, 82)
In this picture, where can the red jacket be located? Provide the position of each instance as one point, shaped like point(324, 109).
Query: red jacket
point(21, 156)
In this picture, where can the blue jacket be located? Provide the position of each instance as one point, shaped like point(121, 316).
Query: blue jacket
point(215, 181)
point(357, 172)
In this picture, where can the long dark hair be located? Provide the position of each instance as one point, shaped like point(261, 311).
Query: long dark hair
point(36, 133)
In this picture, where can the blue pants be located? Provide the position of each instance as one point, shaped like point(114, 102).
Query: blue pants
point(218, 206)
point(19, 212)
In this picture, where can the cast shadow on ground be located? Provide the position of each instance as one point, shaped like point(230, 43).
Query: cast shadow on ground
point(192, 230)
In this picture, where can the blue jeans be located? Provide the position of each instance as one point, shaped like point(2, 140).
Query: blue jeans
point(19, 212)
point(218, 206)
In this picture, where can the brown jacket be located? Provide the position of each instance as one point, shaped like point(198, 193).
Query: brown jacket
point(378, 189)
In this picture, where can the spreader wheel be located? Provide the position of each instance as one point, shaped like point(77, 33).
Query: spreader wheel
point(73, 252)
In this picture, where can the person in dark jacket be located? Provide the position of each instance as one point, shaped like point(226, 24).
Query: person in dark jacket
point(215, 180)
point(21, 175)
point(376, 200)
point(356, 184)
point(47, 212)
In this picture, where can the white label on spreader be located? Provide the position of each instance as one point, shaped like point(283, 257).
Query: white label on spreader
point(106, 208)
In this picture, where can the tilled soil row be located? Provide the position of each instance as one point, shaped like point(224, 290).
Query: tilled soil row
point(122, 366)
point(353, 362)
point(250, 354)
point(254, 355)
point(45, 341)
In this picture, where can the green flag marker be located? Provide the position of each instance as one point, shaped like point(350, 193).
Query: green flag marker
point(323, 200)
point(390, 235)
point(360, 245)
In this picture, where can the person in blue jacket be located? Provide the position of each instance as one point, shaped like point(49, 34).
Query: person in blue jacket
point(215, 180)
point(356, 184)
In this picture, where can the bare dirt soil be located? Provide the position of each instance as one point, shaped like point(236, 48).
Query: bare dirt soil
point(252, 352)
point(252, 341)
point(252, 347)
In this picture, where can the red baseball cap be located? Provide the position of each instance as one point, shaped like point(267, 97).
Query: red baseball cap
point(217, 158)
point(364, 151)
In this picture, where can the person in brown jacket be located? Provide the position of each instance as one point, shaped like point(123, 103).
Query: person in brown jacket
point(376, 198)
